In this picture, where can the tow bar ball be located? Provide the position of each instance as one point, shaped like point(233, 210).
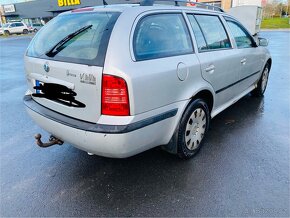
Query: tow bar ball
point(52, 141)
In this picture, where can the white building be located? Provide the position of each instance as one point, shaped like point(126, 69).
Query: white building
point(248, 2)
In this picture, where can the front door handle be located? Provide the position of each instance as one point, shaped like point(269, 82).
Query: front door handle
point(244, 61)
point(210, 68)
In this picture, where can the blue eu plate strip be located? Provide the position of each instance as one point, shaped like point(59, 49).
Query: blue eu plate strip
point(37, 83)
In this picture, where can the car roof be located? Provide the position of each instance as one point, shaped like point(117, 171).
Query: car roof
point(124, 7)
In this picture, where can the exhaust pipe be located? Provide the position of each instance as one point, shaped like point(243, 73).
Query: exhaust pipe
point(52, 141)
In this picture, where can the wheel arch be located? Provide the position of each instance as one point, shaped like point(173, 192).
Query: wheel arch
point(269, 61)
point(205, 95)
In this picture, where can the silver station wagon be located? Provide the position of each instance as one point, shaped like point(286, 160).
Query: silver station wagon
point(116, 80)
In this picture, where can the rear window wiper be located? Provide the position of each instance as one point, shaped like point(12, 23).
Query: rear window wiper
point(59, 46)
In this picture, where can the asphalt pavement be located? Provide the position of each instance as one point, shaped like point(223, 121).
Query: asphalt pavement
point(242, 169)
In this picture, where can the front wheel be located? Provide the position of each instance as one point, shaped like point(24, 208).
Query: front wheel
point(262, 84)
point(192, 129)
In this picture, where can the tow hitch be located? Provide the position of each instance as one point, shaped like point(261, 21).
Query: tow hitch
point(52, 141)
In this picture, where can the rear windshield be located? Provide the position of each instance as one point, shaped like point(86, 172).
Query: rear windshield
point(88, 47)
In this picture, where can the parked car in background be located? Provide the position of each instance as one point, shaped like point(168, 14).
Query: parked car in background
point(1, 30)
point(116, 81)
point(15, 28)
point(34, 27)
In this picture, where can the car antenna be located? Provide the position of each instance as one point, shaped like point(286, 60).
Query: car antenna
point(104, 2)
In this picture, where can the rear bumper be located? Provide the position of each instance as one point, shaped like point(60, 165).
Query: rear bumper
point(118, 141)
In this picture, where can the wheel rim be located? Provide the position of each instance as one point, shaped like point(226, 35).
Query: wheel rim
point(195, 129)
point(265, 79)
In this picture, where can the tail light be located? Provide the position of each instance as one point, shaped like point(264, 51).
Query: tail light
point(115, 100)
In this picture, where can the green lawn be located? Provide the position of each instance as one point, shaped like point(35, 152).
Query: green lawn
point(275, 23)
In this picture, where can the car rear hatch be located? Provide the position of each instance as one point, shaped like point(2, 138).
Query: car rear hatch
point(64, 63)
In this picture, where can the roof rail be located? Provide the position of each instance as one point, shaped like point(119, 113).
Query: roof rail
point(207, 6)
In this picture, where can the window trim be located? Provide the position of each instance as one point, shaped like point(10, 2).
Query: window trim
point(136, 26)
point(254, 44)
point(224, 27)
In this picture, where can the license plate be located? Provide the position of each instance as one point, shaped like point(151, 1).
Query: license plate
point(37, 84)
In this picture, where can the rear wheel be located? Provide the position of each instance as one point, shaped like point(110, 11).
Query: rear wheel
point(192, 129)
point(25, 31)
point(262, 84)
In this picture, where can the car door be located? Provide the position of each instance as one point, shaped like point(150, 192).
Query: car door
point(12, 28)
point(251, 58)
point(218, 60)
point(20, 27)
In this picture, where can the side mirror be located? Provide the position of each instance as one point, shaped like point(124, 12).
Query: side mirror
point(263, 42)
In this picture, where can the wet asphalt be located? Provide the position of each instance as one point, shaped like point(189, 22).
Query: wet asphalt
point(242, 169)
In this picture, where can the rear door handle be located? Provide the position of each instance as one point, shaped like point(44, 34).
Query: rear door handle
point(244, 61)
point(210, 68)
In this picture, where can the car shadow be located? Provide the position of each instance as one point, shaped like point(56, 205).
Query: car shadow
point(123, 186)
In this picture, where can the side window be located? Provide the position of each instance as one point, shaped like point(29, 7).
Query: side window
point(242, 38)
point(19, 24)
point(197, 33)
point(214, 32)
point(161, 35)
point(12, 25)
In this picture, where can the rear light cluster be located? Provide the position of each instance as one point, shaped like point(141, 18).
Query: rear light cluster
point(115, 100)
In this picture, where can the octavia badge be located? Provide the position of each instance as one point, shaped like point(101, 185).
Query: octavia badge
point(46, 67)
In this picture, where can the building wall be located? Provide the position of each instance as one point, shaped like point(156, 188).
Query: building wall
point(50, 8)
point(247, 2)
point(225, 4)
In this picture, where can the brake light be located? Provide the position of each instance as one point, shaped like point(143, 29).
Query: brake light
point(115, 100)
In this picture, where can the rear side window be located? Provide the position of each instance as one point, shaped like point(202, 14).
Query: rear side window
point(88, 47)
point(201, 43)
point(213, 31)
point(19, 24)
point(242, 38)
point(161, 35)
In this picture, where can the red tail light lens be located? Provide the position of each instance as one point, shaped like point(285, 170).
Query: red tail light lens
point(115, 100)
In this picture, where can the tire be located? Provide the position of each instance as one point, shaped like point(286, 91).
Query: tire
point(25, 31)
point(262, 84)
point(6, 32)
point(35, 30)
point(192, 129)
